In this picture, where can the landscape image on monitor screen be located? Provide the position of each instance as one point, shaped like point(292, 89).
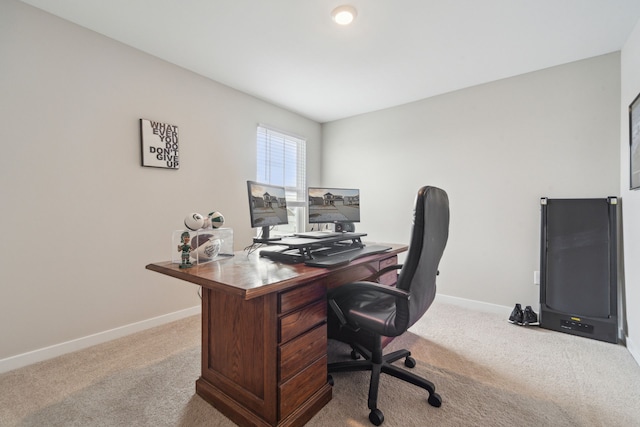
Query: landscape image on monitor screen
point(268, 205)
point(334, 205)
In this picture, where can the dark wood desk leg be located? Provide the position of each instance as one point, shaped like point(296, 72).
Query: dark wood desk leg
point(239, 357)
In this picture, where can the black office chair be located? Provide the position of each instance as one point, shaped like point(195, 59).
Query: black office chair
point(361, 313)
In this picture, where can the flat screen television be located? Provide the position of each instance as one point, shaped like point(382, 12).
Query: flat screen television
point(333, 205)
point(267, 207)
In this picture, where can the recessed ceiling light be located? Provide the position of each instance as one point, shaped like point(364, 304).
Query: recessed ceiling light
point(344, 15)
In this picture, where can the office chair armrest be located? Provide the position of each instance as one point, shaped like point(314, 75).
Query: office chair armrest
point(338, 312)
point(377, 287)
point(369, 286)
point(375, 276)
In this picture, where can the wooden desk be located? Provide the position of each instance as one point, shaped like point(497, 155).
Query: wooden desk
point(264, 337)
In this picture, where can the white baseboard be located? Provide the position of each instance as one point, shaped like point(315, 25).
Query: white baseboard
point(475, 305)
point(633, 349)
point(24, 359)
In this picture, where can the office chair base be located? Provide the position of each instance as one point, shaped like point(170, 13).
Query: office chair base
point(376, 417)
point(435, 400)
point(377, 364)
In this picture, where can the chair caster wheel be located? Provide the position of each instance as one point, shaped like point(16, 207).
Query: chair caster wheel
point(435, 400)
point(355, 355)
point(410, 362)
point(376, 417)
point(330, 380)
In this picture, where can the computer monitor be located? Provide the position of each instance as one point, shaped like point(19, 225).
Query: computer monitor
point(267, 207)
point(333, 205)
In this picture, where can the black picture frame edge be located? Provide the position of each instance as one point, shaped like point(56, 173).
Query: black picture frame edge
point(141, 125)
point(634, 104)
point(141, 144)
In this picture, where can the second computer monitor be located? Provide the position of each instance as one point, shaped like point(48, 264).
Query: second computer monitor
point(267, 206)
point(333, 205)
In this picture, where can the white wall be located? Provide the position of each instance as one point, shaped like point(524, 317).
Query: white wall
point(80, 217)
point(496, 149)
point(630, 64)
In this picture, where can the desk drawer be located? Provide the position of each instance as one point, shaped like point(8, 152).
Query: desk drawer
point(298, 322)
point(300, 297)
point(302, 386)
point(297, 353)
point(391, 277)
point(388, 261)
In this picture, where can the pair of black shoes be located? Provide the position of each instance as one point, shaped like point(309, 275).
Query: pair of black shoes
point(528, 317)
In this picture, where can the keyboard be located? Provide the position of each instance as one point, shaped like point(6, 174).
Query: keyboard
point(288, 256)
point(338, 260)
point(335, 250)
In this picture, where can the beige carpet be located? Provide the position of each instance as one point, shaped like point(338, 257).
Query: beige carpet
point(488, 372)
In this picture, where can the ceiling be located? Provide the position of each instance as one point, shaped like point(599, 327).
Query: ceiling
point(290, 53)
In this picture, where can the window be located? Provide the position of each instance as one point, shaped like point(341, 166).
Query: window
point(281, 160)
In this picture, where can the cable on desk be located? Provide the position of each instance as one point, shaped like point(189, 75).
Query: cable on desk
point(252, 248)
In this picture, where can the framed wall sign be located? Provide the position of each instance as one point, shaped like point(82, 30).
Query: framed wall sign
point(159, 143)
point(634, 144)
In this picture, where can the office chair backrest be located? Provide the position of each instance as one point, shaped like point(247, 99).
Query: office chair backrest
point(428, 240)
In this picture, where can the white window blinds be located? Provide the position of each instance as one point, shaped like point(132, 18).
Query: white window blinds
point(281, 160)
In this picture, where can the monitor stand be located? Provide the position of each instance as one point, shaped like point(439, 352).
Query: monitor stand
point(265, 236)
point(345, 227)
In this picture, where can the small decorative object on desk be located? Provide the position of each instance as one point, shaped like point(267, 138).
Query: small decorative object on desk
point(205, 247)
point(208, 240)
point(214, 220)
point(185, 249)
point(194, 221)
